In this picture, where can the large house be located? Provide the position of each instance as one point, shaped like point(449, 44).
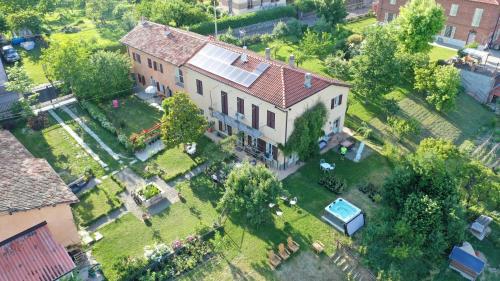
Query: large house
point(236, 7)
point(467, 20)
point(241, 92)
point(37, 229)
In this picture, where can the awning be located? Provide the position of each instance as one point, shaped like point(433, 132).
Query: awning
point(33, 255)
point(237, 124)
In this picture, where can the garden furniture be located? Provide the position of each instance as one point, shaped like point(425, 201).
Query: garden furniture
point(318, 247)
point(279, 213)
point(293, 202)
point(292, 245)
point(271, 205)
point(191, 148)
point(327, 166)
point(284, 253)
point(274, 260)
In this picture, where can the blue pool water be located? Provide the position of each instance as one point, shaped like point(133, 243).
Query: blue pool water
point(343, 210)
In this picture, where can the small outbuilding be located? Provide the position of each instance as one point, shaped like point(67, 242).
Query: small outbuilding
point(465, 261)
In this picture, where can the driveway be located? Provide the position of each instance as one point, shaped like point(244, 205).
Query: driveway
point(7, 99)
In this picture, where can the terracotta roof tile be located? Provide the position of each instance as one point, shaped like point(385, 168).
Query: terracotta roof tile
point(27, 182)
point(281, 84)
point(176, 47)
point(33, 255)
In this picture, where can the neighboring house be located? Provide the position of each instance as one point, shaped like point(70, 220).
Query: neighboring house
point(241, 92)
point(236, 7)
point(467, 20)
point(35, 216)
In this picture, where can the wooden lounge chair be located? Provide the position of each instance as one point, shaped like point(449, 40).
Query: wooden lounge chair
point(284, 253)
point(292, 245)
point(274, 260)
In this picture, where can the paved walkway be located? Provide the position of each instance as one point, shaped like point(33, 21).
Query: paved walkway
point(111, 217)
point(150, 150)
point(46, 106)
point(90, 132)
point(78, 139)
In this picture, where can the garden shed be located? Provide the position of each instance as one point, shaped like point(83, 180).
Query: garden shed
point(466, 262)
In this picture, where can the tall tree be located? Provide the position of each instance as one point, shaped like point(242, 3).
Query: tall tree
point(375, 71)
point(333, 11)
point(66, 61)
point(182, 121)
point(100, 10)
point(19, 81)
point(29, 19)
point(248, 191)
point(317, 44)
point(174, 12)
point(440, 85)
point(418, 22)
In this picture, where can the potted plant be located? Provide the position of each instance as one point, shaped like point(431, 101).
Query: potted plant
point(211, 126)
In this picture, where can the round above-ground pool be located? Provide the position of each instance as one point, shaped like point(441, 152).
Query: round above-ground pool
point(344, 216)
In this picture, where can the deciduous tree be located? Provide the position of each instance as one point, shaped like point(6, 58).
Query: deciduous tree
point(375, 71)
point(29, 19)
point(417, 23)
point(332, 10)
point(19, 81)
point(249, 189)
point(440, 85)
point(182, 121)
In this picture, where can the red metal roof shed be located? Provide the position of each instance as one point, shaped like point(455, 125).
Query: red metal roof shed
point(33, 255)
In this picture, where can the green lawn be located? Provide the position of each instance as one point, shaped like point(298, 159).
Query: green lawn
point(174, 162)
point(441, 53)
point(359, 26)
point(104, 36)
point(128, 236)
point(97, 202)
point(132, 116)
point(53, 143)
point(90, 141)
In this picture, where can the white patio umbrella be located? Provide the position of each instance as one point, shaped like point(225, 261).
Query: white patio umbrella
point(150, 90)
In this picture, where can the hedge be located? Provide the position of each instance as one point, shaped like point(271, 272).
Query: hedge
point(207, 27)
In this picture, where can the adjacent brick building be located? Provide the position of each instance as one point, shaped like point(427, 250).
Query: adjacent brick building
point(467, 20)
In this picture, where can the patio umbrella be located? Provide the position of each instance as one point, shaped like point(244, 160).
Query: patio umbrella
point(150, 90)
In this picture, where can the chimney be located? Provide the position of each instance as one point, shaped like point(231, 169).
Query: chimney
point(268, 54)
point(167, 31)
point(308, 80)
point(244, 56)
point(142, 21)
point(291, 62)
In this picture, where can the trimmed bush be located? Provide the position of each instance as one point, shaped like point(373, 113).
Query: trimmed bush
point(331, 182)
point(207, 27)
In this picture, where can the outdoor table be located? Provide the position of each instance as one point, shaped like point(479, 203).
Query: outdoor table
point(326, 166)
point(271, 205)
point(293, 201)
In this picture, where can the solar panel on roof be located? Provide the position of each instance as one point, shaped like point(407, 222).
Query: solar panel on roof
point(218, 61)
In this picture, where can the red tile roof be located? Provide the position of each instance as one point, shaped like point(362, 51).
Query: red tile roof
point(169, 44)
point(27, 182)
point(281, 84)
point(33, 255)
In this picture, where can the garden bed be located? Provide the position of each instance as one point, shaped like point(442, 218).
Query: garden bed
point(149, 195)
point(98, 202)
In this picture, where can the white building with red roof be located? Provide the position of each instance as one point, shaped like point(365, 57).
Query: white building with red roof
point(242, 92)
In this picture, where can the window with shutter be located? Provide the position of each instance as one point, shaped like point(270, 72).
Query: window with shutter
point(223, 96)
point(476, 20)
point(150, 64)
point(158, 86)
point(270, 119)
point(133, 56)
point(155, 66)
point(340, 100)
point(161, 68)
point(332, 103)
point(255, 116)
point(240, 105)
point(199, 87)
